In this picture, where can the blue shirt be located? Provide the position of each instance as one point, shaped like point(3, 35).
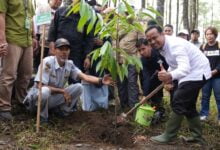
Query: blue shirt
point(56, 76)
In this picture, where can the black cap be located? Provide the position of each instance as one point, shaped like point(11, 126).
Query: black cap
point(195, 31)
point(61, 42)
point(151, 22)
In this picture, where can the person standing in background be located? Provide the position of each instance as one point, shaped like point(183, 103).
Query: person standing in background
point(212, 51)
point(195, 38)
point(54, 5)
point(16, 31)
point(168, 29)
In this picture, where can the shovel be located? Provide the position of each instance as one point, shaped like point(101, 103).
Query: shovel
point(122, 117)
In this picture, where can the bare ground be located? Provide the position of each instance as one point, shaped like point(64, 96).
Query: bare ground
point(93, 130)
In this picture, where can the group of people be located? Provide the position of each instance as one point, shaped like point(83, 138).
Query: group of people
point(183, 66)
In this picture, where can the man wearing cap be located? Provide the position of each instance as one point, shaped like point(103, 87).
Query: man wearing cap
point(183, 34)
point(56, 71)
point(195, 38)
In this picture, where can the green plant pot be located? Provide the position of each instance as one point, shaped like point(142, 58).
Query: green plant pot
point(144, 115)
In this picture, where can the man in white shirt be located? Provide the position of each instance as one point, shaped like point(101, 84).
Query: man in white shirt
point(191, 69)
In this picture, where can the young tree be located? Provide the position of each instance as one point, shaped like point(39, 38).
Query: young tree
point(118, 20)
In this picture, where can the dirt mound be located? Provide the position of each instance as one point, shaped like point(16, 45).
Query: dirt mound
point(99, 127)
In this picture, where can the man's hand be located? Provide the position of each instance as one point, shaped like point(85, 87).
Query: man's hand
point(67, 98)
point(3, 42)
point(3, 49)
point(168, 86)
point(107, 80)
point(214, 72)
point(98, 42)
point(35, 44)
point(164, 76)
point(87, 63)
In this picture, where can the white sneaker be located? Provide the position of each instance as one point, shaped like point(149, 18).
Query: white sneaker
point(203, 118)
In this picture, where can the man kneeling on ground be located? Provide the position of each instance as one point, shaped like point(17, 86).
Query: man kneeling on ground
point(151, 60)
point(55, 74)
point(189, 66)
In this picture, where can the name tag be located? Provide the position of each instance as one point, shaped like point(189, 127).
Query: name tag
point(27, 23)
point(212, 53)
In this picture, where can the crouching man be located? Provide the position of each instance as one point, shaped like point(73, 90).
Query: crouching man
point(189, 66)
point(151, 60)
point(55, 74)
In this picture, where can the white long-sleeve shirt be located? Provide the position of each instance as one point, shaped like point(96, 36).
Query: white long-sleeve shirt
point(186, 62)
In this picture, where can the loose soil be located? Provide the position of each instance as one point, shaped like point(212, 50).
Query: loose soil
point(92, 130)
point(100, 127)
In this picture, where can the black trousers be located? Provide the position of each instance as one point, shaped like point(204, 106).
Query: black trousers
point(185, 98)
point(128, 89)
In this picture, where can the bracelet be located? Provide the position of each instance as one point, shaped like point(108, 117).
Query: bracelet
point(100, 81)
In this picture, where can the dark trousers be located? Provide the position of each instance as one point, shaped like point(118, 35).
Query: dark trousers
point(128, 89)
point(78, 60)
point(149, 82)
point(37, 57)
point(185, 97)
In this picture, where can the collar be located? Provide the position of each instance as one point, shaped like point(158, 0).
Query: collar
point(57, 65)
point(165, 46)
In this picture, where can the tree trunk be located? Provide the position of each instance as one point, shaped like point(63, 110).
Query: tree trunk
point(177, 16)
point(193, 14)
point(152, 4)
point(190, 12)
point(160, 9)
point(143, 3)
point(185, 15)
point(197, 14)
point(212, 13)
point(170, 11)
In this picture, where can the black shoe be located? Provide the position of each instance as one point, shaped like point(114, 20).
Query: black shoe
point(44, 120)
point(18, 109)
point(58, 113)
point(158, 117)
point(6, 116)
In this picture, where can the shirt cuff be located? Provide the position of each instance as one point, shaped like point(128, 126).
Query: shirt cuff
point(174, 75)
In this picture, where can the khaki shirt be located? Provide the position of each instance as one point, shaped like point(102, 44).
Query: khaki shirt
point(128, 42)
point(15, 16)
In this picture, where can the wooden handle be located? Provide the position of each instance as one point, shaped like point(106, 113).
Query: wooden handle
point(146, 98)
